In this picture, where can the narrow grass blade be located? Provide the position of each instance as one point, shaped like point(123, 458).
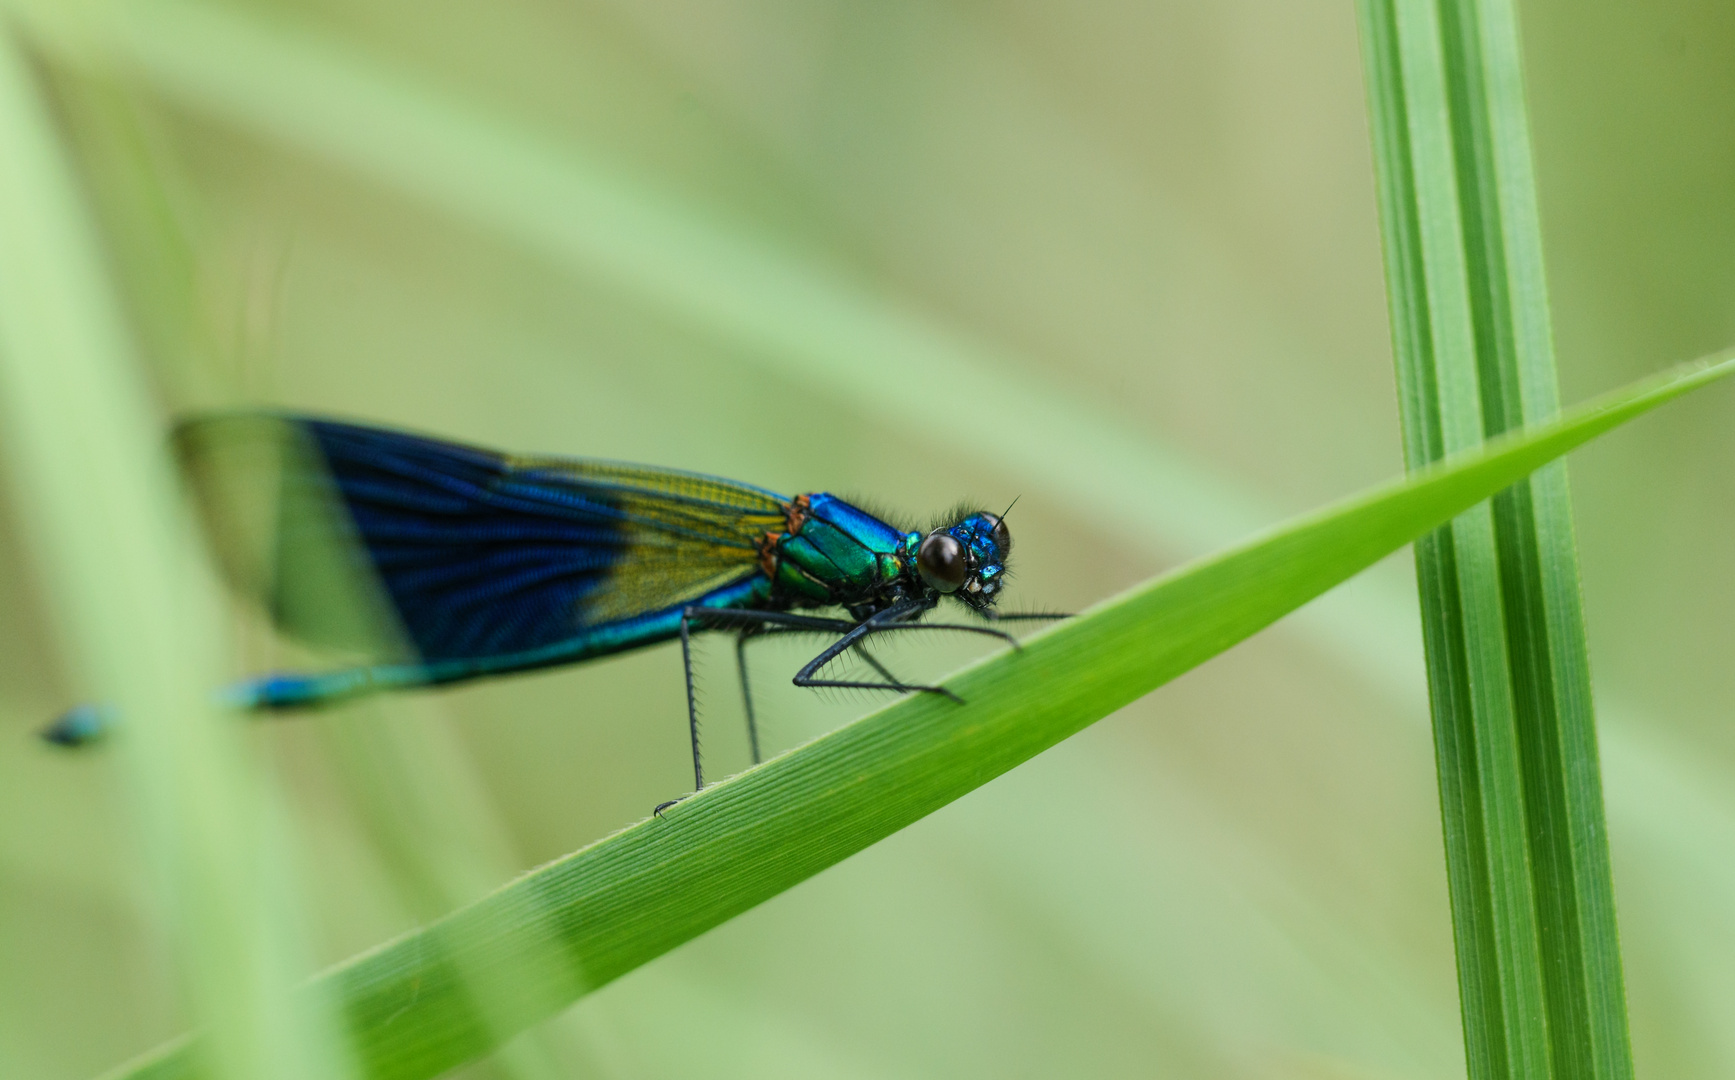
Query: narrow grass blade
point(632, 897)
point(1520, 790)
point(100, 511)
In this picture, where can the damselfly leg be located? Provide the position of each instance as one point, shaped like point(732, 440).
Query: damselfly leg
point(897, 617)
point(751, 624)
point(747, 692)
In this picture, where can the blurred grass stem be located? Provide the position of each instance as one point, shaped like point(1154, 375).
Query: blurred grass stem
point(136, 615)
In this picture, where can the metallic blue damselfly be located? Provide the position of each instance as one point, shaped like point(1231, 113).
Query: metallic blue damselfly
point(491, 563)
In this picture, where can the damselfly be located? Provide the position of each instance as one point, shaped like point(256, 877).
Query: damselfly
point(492, 563)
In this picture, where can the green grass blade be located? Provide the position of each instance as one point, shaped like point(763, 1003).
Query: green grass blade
point(1521, 798)
point(137, 618)
point(632, 897)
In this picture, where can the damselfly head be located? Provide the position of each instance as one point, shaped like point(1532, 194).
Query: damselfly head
point(966, 559)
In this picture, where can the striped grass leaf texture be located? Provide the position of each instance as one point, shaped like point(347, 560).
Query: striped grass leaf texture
point(1539, 965)
point(446, 994)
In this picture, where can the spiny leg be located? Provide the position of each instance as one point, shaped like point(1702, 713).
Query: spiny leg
point(692, 717)
point(879, 667)
point(888, 619)
point(988, 630)
point(762, 626)
point(760, 633)
point(748, 619)
point(805, 678)
point(753, 623)
point(747, 692)
point(753, 618)
point(746, 636)
point(692, 704)
point(893, 618)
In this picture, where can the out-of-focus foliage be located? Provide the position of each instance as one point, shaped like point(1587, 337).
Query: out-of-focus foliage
point(1159, 219)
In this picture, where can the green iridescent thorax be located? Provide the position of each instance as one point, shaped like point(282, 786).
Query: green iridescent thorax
point(839, 555)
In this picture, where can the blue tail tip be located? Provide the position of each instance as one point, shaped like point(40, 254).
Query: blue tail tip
point(80, 725)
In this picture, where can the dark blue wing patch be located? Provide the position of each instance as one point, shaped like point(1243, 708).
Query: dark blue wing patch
point(484, 555)
point(474, 562)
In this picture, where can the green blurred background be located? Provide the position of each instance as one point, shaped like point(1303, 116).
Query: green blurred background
point(1159, 217)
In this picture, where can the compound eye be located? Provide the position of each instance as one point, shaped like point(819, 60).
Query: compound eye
point(940, 561)
point(1002, 536)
